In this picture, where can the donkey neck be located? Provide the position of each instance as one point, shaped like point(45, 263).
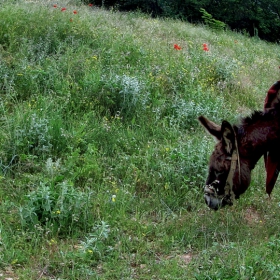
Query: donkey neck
point(257, 135)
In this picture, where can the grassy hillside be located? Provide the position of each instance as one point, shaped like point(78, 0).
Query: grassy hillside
point(102, 160)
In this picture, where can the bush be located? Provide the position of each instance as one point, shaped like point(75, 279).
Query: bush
point(211, 22)
point(124, 95)
point(60, 208)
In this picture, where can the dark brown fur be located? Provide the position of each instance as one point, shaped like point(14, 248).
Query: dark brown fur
point(255, 136)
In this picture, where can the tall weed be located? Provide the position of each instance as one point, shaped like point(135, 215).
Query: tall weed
point(60, 208)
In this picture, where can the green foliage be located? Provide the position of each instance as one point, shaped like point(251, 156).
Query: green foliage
point(256, 18)
point(60, 208)
point(211, 22)
point(34, 135)
point(102, 160)
point(84, 167)
point(94, 247)
point(124, 95)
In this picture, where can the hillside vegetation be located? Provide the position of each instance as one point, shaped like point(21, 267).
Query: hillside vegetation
point(102, 159)
point(254, 18)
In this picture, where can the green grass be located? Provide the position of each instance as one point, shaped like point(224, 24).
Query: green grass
point(102, 160)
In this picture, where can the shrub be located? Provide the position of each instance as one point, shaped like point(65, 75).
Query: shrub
point(94, 247)
point(211, 22)
point(124, 94)
point(60, 208)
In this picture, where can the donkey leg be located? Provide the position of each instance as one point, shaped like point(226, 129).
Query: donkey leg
point(272, 170)
point(265, 160)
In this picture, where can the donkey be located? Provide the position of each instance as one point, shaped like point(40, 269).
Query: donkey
point(238, 149)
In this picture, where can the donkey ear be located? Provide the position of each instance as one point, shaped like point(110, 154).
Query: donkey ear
point(211, 127)
point(228, 137)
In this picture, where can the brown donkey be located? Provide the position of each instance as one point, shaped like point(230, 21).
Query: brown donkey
point(237, 151)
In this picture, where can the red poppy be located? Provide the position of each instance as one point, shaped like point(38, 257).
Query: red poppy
point(90, 5)
point(205, 47)
point(63, 9)
point(55, 6)
point(75, 12)
point(177, 47)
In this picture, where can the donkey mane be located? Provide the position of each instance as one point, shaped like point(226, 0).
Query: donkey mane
point(256, 116)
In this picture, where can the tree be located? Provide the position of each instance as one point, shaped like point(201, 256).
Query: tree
point(257, 17)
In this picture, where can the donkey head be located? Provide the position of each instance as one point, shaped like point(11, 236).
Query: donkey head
point(229, 175)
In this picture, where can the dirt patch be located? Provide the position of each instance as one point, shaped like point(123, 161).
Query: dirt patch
point(252, 216)
point(8, 274)
point(186, 258)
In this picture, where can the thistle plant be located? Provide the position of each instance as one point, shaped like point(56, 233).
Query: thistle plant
point(60, 208)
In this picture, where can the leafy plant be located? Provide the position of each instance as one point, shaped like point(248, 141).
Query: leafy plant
point(211, 22)
point(60, 208)
point(124, 95)
point(94, 247)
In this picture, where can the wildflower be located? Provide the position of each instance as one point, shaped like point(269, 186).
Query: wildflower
point(75, 12)
point(166, 186)
point(90, 5)
point(52, 242)
point(90, 251)
point(55, 6)
point(63, 9)
point(177, 47)
point(205, 47)
point(114, 198)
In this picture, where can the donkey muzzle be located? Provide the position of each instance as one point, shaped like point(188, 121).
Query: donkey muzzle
point(211, 198)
